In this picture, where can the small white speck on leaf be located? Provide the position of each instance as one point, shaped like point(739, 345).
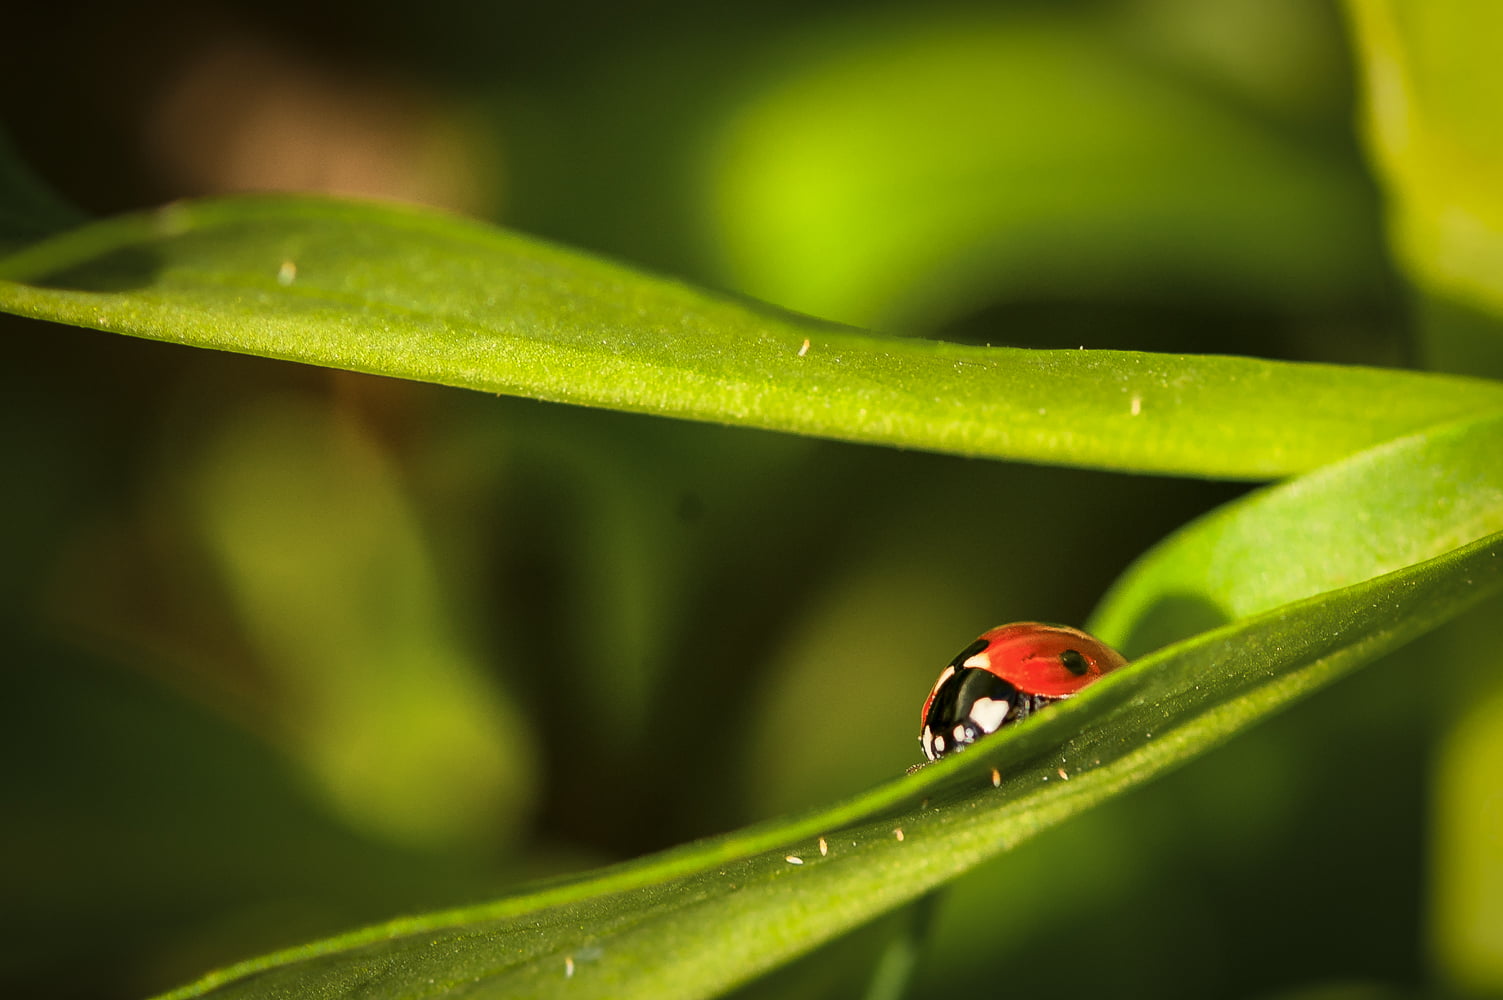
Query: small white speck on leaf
point(804, 349)
point(824, 848)
point(568, 966)
point(1137, 405)
point(898, 832)
point(996, 778)
point(287, 273)
point(794, 859)
point(1063, 775)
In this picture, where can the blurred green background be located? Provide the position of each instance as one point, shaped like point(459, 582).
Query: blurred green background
point(292, 650)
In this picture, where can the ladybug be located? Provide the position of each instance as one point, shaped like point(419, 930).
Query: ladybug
point(1008, 674)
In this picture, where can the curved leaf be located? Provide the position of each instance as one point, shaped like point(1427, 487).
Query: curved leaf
point(911, 166)
point(412, 294)
point(1390, 507)
point(696, 920)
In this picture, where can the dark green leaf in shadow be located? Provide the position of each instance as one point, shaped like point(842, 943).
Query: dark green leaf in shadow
point(28, 208)
point(145, 837)
point(417, 295)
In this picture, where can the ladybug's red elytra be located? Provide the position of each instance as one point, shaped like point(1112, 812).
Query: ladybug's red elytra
point(1008, 674)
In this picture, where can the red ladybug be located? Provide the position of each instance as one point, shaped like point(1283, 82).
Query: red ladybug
point(1006, 675)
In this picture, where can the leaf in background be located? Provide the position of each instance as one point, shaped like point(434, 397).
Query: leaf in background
point(1466, 856)
point(693, 921)
point(147, 837)
point(416, 295)
point(909, 169)
point(1433, 85)
point(320, 554)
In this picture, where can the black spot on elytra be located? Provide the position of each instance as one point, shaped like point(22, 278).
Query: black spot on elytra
point(1075, 662)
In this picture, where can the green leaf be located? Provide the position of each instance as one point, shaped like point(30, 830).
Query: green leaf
point(380, 697)
point(1390, 507)
point(1052, 158)
point(698, 919)
point(692, 922)
point(1465, 857)
point(412, 294)
point(1433, 86)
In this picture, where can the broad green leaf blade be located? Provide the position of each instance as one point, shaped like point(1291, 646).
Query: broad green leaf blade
point(1390, 507)
point(417, 295)
point(699, 920)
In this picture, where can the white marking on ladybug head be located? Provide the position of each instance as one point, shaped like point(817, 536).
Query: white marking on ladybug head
point(988, 713)
point(979, 662)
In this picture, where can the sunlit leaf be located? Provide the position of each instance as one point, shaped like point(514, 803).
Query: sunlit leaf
point(1466, 856)
point(1433, 86)
point(422, 296)
point(912, 167)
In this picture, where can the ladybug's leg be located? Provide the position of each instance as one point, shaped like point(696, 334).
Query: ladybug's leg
point(1027, 704)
